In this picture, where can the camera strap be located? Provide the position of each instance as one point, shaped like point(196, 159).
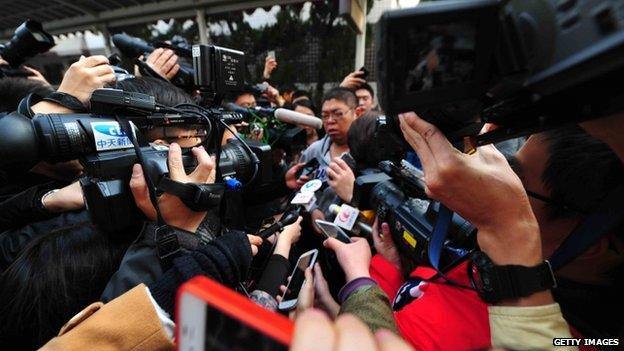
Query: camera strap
point(590, 230)
point(438, 237)
point(168, 246)
point(197, 197)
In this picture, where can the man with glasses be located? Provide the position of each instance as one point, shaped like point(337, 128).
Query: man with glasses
point(340, 109)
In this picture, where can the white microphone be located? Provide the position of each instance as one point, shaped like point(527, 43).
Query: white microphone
point(293, 117)
point(360, 228)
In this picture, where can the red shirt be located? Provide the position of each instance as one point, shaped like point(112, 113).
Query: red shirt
point(440, 316)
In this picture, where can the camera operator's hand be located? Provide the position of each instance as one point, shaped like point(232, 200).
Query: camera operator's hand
point(164, 62)
point(270, 64)
point(292, 182)
point(314, 331)
point(86, 75)
point(482, 188)
point(385, 245)
point(354, 258)
point(353, 80)
point(69, 198)
point(341, 179)
point(273, 95)
point(36, 75)
point(323, 297)
point(174, 211)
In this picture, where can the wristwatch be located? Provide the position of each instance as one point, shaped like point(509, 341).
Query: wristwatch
point(66, 100)
point(494, 283)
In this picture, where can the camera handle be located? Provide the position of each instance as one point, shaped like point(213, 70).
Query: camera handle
point(167, 244)
point(197, 197)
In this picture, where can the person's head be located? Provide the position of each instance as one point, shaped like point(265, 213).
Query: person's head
point(55, 277)
point(245, 99)
point(365, 96)
point(307, 108)
point(365, 152)
point(287, 92)
point(300, 95)
point(566, 173)
point(338, 112)
point(169, 95)
point(163, 92)
point(13, 90)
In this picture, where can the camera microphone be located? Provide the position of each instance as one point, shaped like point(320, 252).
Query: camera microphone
point(281, 114)
point(289, 116)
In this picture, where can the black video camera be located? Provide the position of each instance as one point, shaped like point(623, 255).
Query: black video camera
point(107, 152)
point(29, 40)
point(397, 195)
point(524, 65)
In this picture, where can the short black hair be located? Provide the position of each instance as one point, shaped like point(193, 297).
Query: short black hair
point(365, 151)
point(305, 103)
point(580, 171)
point(300, 93)
point(367, 87)
point(341, 94)
point(13, 90)
point(164, 92)
point(247, 90)
point(287, 88)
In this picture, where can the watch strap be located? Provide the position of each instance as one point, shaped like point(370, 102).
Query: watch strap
point(494, 283)
point(66, 100)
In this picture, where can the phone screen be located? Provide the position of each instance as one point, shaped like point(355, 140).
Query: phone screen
point(297, 278)
point(333, 231)
point(225, 333)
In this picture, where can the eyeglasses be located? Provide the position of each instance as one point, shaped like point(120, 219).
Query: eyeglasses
point(338, 115)
point(553, 202)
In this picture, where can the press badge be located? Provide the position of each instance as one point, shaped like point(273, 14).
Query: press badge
point(109, 136)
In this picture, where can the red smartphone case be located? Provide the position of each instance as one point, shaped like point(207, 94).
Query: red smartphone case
point(238, 307)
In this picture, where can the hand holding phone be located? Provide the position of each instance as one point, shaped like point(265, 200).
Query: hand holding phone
point(308, 169)
point(354, 258)
point(331, 230)
point(297, 278)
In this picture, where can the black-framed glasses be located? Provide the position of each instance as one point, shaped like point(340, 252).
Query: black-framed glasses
point(337, 114)
point(552, 202)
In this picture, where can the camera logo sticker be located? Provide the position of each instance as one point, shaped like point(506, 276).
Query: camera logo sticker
point(346, 217)
point(311, 186)
point(109, 136)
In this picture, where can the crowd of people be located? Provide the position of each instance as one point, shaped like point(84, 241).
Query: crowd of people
point(67, 284)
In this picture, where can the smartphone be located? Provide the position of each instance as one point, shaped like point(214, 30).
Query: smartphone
point(308, 169)
point(331, 230)
point(211, 316)
point(271, 54)
point(297, 278)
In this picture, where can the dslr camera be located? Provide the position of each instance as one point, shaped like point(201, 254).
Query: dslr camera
point(28, 41)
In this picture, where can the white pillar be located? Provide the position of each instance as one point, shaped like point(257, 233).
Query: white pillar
point(108, 50)
point(201, 26)
point(360, 40)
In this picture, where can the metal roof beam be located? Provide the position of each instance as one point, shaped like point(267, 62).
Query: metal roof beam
point(150, 12)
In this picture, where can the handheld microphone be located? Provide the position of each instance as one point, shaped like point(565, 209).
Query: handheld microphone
point(289, 116)
point(287, 219)
point(359, 227)
point(131, 46)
